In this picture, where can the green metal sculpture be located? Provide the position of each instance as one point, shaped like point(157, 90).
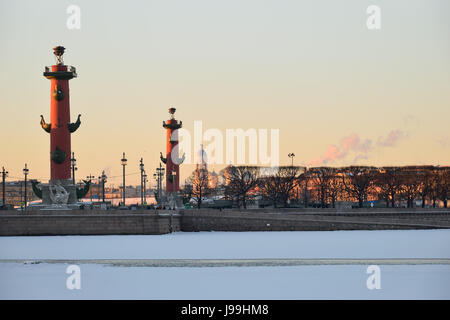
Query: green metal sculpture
point(74, 126)
point(36, 190)
point(82, 192)
point(58, 156)
point(46, 126)
point(163, 159)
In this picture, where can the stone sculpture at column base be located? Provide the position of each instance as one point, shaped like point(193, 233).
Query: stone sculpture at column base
point(59, 195)
point(174, 201)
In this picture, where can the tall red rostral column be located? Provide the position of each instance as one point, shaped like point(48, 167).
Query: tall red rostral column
point(60, 191)
point(172, 160)
point(60, 127)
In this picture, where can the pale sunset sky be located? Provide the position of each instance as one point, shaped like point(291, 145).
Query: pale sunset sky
point(339, 93)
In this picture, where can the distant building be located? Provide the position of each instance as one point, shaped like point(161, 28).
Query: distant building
point(15, 191)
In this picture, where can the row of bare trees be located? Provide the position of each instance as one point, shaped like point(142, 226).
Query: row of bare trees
point(411, 183)
point(391, 184)
point(327, 185)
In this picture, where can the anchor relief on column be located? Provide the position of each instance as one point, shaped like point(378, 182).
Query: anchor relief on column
point(58, 155)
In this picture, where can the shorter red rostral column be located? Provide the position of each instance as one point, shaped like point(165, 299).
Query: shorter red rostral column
point(172, 181)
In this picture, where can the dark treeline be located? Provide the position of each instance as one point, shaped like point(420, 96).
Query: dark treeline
point(325, 186)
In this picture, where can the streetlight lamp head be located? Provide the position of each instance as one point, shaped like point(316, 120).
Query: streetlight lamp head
point(73, 160)
point(123, 161)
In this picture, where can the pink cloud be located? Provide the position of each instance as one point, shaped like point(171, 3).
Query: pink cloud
point(352, 144)
point(348, 144)
point(332, 153)
point(392, 138)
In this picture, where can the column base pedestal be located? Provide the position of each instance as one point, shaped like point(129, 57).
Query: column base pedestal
point(171, 201)
point(58, 195)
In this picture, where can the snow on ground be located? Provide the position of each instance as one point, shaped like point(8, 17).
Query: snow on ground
point(48, 281)
point(235, 245)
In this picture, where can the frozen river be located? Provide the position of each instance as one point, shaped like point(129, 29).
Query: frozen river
point(230, 265)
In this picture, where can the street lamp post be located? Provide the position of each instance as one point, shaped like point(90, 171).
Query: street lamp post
point(25, 172)
point(199, 193)
point(102, 178)
point(123, 162)
point(90, 177)
point(174, 178)
point(306, 188)
point(144, 191)
point(141, 167)
point(291, 155)
point(74, 168)
point(155, 176)
point(4, 174)
point(99, 187)
point(160, 172)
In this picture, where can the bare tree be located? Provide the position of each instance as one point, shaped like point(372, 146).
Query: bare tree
point(302, 182)
point(279, 185)
point(387, 180)
point(335, 186)
point(321, 177)
point(425, 177)
point(443, 184)
point(269, 189)
point(200, 185)
point(357, 181)
point(240, 180)
point(410, 184)
point(382, 187)
point(434, 190)
point(187, 191)
point(287, 182)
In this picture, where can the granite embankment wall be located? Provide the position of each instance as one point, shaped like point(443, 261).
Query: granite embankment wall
point(313, 220)
point(87, 222)
point(101, 222)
